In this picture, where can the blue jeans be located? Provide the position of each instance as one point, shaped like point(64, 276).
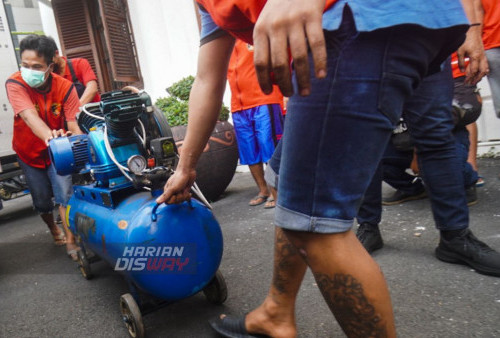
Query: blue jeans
point(45, 183)
point(335, 137)
point(493, 56)
point(392, 170)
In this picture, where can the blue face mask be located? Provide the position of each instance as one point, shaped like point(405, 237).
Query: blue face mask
point(34, 78)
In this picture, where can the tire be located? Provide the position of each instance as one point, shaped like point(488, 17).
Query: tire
point(216, 290)
point(84, 265)
point(131, 315)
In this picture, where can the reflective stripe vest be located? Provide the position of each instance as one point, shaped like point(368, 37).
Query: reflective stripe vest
point(50, 107)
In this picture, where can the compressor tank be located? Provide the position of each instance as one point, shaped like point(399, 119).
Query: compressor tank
point(171, 251)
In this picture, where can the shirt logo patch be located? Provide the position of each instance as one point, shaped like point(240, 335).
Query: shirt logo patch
point(55, 109)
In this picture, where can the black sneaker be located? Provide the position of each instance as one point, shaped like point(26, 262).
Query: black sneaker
point(399, 197)
point(466, 249)
point(471, 195)
point(369, 236)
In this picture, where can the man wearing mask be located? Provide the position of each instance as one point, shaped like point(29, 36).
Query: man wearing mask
point(42, 102)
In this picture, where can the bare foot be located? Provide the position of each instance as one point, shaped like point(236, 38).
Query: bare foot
point(58, 236)
point(72, 251)
point(272, 320)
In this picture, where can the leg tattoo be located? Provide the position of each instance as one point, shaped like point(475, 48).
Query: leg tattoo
point(345, 298)
point(286, 257)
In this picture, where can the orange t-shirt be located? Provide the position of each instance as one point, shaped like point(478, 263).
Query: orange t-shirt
point(245, 89)
point(83, 72)
point(238, 17)
point(491, 24)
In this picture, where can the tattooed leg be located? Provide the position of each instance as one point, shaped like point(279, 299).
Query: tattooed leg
point(276, 315)
point(350, 281)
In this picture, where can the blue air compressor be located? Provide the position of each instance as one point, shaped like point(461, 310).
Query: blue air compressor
point(120, 165)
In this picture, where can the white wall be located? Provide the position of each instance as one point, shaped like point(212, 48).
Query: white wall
point(49, 21)
point(167, 38)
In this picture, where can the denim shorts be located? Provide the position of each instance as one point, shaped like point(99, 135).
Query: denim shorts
point(45, 183)
point(335, 137)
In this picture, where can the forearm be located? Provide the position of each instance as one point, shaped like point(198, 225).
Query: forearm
point(470, 10)
point(36, 124)
point(472, 48)
point(89, 93)
point(73, 128)
point(205, 99)
point(479, 10)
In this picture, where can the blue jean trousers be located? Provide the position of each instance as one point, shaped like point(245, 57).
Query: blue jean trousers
point(45, 184)
point(335, 137)
point(392, 170)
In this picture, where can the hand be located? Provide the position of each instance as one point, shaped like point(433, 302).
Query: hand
point(294, 24)
point(55, 134)
point(474, 50)
point(178, 187)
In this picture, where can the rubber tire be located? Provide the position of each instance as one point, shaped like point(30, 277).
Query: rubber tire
point(216, 290)
point(131, 315)
point(84, 265)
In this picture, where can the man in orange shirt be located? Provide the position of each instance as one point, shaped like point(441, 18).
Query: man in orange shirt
point(78, 71)
point(257, 118)
point(43, 102)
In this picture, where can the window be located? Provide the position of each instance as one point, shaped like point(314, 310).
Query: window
point(99, 30)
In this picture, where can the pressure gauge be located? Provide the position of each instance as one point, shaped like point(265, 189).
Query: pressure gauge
point(136, 164)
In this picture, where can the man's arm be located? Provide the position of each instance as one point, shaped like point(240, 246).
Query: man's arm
point(89, 93)
point(478, 6)
point(473, 46)
point(205, 101)
point(23, 107)
point(38, 126)
point(71, 108)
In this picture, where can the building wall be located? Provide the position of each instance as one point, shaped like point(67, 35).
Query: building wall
point(167, 39)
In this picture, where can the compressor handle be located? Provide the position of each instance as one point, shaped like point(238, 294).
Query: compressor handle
point(154, 216)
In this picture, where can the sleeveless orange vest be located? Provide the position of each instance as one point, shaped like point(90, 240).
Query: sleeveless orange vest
point(238, 17)
point(50, 107)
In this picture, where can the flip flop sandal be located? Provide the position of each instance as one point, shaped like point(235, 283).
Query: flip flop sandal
point(258, 200)
point(271, 203)
point(60, 239)
point(73, 254)
point(232, 327)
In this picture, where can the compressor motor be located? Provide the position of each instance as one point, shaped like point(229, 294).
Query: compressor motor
point(127, 142)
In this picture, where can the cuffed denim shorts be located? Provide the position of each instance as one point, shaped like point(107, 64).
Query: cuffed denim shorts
point(335, 137)
point(45, 183)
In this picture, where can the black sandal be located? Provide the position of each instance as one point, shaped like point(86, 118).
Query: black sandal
point(232, 327)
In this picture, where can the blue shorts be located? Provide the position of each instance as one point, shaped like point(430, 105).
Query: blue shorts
point(45, 183)
point(257, 131)
point(335, 137)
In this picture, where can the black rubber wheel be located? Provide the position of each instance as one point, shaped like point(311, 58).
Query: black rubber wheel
point(131, 315)
point(216, 290)
point(84, 265)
